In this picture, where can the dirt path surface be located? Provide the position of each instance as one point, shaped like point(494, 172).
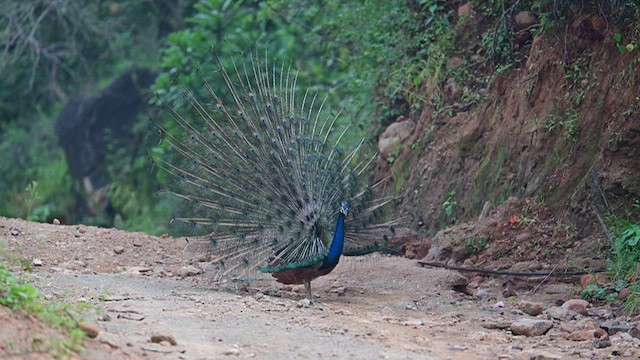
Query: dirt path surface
point(368, 308)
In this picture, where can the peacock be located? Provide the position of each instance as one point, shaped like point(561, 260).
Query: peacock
point(263, 179)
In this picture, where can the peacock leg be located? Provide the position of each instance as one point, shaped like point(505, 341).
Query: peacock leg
point(307, 286)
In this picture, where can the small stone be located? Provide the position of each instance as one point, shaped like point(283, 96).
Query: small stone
point(182, 271)
point(624, 294)
point(524, 236)
point(55, 222)
point(343, 312)
point(577, 305)
point(618, 328)
point(582, 335)
point(530, 308)
point(340, 290)
point(231, 352)
point(304, 303)
point(603, 343)
point(15, 232)
point(36, 262)
point(558, 313)
point(464, 10)
point(530, 327)
point(110, 344)
point(525, 19)
point(137, 243)
point(137, 270)
point(158, 338)
point(118, 249)
point(105, 317)
point(192, 270)
point(457, 348)
point(91, 330)
point(414, 322)
point(543, 356)
point(635, 332)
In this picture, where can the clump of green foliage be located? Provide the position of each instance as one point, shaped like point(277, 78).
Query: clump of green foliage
point(17, 295)
point(624, 265)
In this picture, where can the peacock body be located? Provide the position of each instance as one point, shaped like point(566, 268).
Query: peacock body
point(265, 183)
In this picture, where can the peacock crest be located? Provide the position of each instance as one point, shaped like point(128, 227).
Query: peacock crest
point(264, 181)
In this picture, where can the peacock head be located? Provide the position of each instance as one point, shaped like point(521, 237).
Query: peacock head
point(344, 208)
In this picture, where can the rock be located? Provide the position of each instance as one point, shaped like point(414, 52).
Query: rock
point(304, 303)
point(118, 249)
point(530, 308)
point(91, 330)
point(635, 332)
point(543, 356)
point(182, 271)
point(624, 294)
point(339, 290)
point(577, 305)
point(454, 62)
point(558, 313)
point(36, 262)
point(523, 236)
point(55, 222)
point(618, 329)
point(525, 19)
point(598, 25)
point(343, 312)
point(464, 10)
point(231, 352)
point(530, 327)
point(137, 270)
point(590, 279)
point(392, 138)
point(192, 270)
point(603, 343)
point(158, 338)
point(584, 335)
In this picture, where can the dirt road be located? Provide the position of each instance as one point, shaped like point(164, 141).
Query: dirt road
point(368, 308)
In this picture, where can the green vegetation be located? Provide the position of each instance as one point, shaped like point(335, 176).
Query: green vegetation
point(17, 295)
point(624, 265)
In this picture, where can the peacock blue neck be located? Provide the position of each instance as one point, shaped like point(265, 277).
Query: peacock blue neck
point(335, 249)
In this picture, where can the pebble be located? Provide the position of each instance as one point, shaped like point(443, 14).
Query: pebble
point(118, 249)
point(543, 356)
point(36, 262)
point(343, 312)
point(584, 335)
point(530, 308)
point(340, 290)
point(158, 338)
point(91, 330)
point(56, 222)
point(559, 313)
point(304, 303)
point(192, 270)
point(530, 327)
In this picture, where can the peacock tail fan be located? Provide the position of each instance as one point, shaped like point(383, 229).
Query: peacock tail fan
point(261, 174)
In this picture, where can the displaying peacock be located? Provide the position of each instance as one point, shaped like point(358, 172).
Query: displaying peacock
point(265, 183)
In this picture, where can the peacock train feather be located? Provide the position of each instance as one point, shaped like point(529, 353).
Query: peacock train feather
point(264, 180)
